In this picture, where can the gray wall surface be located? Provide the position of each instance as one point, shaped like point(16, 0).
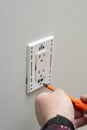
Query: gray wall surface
point(22, 21)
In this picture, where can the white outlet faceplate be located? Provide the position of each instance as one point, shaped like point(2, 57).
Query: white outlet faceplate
point(39, 63)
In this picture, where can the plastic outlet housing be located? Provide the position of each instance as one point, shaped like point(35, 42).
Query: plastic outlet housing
point(39, 63)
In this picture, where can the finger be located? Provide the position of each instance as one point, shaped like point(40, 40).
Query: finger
point(84, 98)
point(78, 114)
point(81, 121)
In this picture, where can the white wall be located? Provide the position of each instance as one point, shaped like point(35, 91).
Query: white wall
point(22, 21)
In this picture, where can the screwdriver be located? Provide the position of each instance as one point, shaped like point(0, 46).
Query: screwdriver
point(77, 102)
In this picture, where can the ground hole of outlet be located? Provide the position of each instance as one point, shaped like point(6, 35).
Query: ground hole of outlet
point(41, 60)
point(38, 81)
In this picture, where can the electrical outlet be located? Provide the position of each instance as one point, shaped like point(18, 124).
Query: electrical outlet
point(39, 63)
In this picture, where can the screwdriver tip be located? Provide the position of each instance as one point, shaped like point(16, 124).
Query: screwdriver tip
point(45, 85)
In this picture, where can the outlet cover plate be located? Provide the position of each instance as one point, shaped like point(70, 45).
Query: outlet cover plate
point(39, 63)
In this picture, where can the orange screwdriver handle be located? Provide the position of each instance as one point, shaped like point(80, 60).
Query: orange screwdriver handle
point(51, 88)
point(79, 105)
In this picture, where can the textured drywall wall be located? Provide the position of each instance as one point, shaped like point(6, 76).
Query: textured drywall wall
point(22, 21)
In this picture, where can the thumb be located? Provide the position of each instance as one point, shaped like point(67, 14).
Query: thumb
point(84, 98)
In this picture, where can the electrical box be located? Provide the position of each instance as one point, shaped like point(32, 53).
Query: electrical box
point(39, 63)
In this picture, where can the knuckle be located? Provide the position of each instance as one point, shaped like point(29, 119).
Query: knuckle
point(60, 90)
point(40, 97)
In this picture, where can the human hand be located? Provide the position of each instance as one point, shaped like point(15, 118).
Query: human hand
point(80, 117)
point(48, 105)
